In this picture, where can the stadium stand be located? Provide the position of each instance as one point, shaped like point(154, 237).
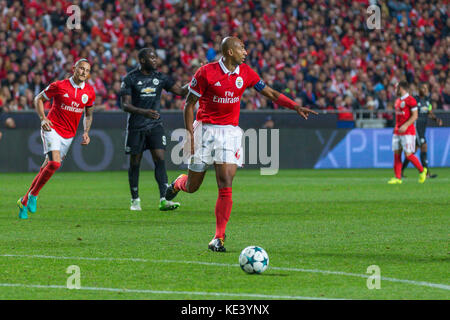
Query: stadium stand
point(320, 53)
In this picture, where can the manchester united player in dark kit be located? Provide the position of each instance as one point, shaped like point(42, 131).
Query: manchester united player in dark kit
point(141, 97)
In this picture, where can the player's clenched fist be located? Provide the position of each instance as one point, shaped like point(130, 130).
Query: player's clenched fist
point(86, 139)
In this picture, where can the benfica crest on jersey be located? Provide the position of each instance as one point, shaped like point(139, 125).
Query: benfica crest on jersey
point(239, 82)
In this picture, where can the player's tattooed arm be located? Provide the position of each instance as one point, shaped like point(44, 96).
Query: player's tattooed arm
point(39, 107)
point(87, 122)
point(125, 101)
point(284, 101)
point(180, 91)
point(188, 112)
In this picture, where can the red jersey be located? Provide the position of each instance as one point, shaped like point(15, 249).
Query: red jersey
point(220, 92)
point(69, 101)
point(404, 107)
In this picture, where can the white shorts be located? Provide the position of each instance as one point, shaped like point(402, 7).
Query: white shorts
point(215, 144)
point(406, 142)
point(52, 141)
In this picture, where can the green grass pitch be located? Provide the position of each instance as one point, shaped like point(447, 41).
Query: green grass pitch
point(322, 229)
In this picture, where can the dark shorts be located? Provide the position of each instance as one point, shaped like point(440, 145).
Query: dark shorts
point(137, 142)
point(420, 135)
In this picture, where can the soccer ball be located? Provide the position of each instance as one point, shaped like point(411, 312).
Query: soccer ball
point(254, 259)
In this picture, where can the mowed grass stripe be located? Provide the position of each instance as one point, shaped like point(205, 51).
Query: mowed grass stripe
point(321, 228)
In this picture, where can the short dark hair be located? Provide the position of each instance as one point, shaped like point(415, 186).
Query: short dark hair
point(403, 84)
point(145, 52)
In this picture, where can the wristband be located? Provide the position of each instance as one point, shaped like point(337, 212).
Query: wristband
point(285, 102)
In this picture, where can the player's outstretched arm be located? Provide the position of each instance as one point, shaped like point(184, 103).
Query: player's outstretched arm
point(284, 101)
point(125, 102)
point(87, 122)
point(39, 107)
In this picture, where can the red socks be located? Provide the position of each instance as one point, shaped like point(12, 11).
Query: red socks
point(180, 183)
point(415, 162)
point(25, 197)
point(223, 210)
point(398, 165)
point(223, 205)
point(44, 176)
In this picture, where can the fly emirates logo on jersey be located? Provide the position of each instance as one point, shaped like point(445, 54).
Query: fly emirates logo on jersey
point(74, 107)
point(229, 98)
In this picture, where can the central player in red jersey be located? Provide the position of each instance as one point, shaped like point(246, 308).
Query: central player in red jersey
point(215, 137)
point(71, 98)
point(404, 137)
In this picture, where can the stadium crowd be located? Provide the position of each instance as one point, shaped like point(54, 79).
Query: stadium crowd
point(320, 53)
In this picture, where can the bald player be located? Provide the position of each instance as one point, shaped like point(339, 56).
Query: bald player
point(214, 138)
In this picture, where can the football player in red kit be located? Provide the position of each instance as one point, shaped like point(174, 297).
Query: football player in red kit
point(71, 98)
point(215, 137)
point(404, 138)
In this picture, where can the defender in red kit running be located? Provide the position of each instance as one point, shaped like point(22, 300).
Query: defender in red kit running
point(71, 98)
point(215, 137)
point(404, 138)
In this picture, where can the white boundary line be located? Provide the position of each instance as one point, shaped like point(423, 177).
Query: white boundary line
point(339, 273)
point(196, 293)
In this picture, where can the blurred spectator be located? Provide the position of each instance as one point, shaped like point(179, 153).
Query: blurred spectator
point(5, 118)
point(269, 123)
point(319, 51)
point(345, 108)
